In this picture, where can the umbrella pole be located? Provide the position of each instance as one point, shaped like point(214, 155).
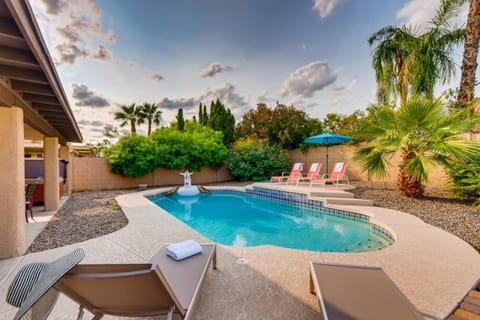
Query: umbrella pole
point(327, 159)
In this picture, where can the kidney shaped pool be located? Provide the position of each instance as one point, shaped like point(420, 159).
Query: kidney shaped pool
point(239, 219)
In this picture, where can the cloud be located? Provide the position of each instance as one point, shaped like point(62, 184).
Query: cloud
point(420, 12)
point(213, 69)
point(87, 98)
point(347, 87)
point(177, 103)
point(68, 53)
point(54, 7)
point(77, 30)
point(306, 80)
point(102, 53)
point(157, 77)
point(93, 123)
point(325, 7)
point(227, 94)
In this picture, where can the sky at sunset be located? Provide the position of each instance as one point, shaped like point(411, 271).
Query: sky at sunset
point(310, 54)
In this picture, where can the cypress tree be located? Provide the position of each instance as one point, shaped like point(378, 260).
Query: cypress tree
point(200, 114)
point(180, 120)
point(205, 115)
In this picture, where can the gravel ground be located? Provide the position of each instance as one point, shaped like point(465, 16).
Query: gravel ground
point(87, 215)
point(436, 208)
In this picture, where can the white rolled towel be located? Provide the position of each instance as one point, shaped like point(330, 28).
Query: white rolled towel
point(184, 249)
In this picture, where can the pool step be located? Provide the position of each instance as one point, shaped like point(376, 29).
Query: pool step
point(344, 201)
point(332, 194)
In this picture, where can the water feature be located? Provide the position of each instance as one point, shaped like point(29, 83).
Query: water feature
point(187, 189)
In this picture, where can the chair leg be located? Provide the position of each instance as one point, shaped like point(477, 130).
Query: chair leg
point(26, 215)
point(31, 212)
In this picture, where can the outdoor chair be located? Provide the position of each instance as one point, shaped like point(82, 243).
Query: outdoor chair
point(358, 292)
point(29, 200)
point(312, 173)
point(337, 175)
point(162, 287)
point(294, 173)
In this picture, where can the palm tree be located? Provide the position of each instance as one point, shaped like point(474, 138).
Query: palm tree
point(129, 115)
point(424, 135)
point(469, 64)
point(394, 46)
point(407, 61)
point(150, 112)
point(431, 57)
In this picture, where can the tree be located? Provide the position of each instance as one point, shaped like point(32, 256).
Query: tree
point(406, 61)
point(200, 114)
point(388, 61)
point(283, 125)
point(424, 135)
point(205, 115)
point(431, 57)
point(221, 119)
point(469, 64)
point(129, 115)
point(180, 120)
point(150, 112)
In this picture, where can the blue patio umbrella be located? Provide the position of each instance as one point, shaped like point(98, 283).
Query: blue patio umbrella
point(327, 139)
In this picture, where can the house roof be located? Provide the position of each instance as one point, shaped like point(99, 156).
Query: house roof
point(28, 78)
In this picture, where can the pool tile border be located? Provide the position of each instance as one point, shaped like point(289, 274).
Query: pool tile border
point(301, 199)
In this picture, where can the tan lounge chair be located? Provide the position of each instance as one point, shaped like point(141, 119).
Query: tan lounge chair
point(162, 287)
point(294, 173)
point(347, 292)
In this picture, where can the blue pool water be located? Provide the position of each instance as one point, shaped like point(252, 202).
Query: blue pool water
point(238, 219)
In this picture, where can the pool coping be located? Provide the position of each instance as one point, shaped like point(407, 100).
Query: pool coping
point(454, 279)
point(433, 268)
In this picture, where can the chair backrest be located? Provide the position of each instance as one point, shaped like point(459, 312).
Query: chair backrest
point(120, 289)
point(30, 190)
point(338, 171)
point(297, 169)
point(314, 170)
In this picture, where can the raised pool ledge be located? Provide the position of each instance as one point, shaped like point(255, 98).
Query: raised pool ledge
point(434, 268)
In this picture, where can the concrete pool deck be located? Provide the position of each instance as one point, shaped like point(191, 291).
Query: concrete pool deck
point(433, 268)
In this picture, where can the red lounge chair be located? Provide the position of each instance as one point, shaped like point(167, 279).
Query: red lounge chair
point(294, 173)
point(312, 173)
point(337, 175)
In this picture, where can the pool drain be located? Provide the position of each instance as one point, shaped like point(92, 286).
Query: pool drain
point(242, 261)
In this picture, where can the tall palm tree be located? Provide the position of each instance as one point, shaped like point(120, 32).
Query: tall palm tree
point(150, 112)
point(431, 57)
point(388, 61)
point(406, 60)
point(424, 135)
point(129, 115)
point(469, 64)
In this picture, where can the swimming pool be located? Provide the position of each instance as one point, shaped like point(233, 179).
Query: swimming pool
point(239, 219)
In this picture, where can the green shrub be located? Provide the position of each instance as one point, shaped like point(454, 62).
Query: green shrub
point(191, 149)
point(256, 160)
point(466, 180)
point(132, 156)
point(197, 146)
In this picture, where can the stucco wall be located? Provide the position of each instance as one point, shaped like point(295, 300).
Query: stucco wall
point(338, 153)
point(93, 174)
